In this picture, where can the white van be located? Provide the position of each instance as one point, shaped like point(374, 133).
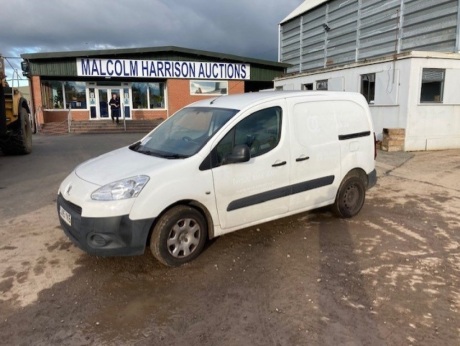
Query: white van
point(220, 165)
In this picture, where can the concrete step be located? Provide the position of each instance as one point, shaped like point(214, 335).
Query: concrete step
point(100, 126)
point(107, 126)
point(54, 128)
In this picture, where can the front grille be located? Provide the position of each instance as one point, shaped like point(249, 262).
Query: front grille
point(75, 208)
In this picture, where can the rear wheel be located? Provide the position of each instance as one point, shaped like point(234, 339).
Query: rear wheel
point(350, 197)
point(179, 236)
point(19, 137)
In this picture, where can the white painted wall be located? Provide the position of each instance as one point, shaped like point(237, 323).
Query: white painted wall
point(397, 98)
point(434, 126)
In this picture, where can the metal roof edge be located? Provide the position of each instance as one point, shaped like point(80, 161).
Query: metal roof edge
point(373, 61)
point(141, 50)
point(307, 5)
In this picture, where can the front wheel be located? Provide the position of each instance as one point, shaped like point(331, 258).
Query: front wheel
point(350, 197)
point(179, 236)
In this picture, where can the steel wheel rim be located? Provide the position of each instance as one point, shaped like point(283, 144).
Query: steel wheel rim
point(351, 197)
point(184, 238)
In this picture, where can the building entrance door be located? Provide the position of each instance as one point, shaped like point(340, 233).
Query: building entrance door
point(103, 111)
point(104, 96)
point(99, 98)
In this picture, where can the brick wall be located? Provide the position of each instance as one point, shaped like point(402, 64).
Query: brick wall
point(147, 114)
point(37, 98)
point(179, 93)
point(55, 116)
point(178, 96)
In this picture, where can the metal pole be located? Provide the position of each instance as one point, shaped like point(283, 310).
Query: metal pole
point(69, 118)
point(123, 113)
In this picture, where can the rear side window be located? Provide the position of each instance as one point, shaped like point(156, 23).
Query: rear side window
point(260, 131)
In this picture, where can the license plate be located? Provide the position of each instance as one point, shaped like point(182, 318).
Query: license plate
point(65, 216)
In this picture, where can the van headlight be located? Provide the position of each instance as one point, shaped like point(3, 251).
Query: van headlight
point(121, 189)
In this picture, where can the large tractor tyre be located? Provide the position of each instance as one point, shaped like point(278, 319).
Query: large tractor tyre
point(19, 136)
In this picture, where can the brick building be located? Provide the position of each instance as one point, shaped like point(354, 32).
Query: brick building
point(152, 83)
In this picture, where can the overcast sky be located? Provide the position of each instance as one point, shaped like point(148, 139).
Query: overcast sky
point(241, 27)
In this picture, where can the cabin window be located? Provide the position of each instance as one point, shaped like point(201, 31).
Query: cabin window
point(432, 85)
point(321, 84)
point(368, 87)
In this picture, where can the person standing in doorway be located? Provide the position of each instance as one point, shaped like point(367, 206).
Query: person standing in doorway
point(114, 104)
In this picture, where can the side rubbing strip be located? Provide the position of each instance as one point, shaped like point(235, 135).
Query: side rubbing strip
point(279, 193)
point(259, 198)
point(354, 135)
point(312, 184)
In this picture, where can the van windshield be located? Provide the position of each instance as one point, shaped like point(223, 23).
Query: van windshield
point(185, 133)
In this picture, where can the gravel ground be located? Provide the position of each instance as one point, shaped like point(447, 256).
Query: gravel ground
point(389, 276)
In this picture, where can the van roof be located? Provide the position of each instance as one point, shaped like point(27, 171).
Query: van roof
point(240, 101)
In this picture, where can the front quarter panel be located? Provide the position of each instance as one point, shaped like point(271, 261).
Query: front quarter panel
point(78, 191)
point(181, 181)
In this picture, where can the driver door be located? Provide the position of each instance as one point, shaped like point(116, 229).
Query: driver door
point(248, 192)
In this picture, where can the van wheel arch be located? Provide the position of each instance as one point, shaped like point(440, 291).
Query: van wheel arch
point(195, 212)
point(358, 172)
point(200, 207)
point(351, 194)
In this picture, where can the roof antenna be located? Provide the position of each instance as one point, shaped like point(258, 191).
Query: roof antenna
point(212, 102)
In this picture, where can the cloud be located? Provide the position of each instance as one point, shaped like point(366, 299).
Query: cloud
point(240, 27)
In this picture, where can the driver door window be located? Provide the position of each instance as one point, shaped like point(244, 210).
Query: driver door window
point(260, 131)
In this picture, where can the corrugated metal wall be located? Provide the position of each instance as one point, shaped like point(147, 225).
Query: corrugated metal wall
point(362, 29)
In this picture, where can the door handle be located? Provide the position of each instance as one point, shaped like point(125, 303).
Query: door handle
point(304, 158)
point(282, 163)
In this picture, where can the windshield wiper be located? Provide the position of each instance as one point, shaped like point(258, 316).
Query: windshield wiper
point(147, 152)
point(135, 146)
point(174, 156)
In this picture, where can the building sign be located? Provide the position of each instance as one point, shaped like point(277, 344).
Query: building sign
point(161, 69)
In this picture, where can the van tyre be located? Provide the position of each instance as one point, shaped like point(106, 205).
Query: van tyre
point(179, 236)
point(19, 140)
point(350, 197)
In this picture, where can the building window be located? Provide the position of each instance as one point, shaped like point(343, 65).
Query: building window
point(368, 87)
point(432, 85)
point(198, 87)
point(60, 95)
point(157, 95)
point(308, 86)
point(148, 95)
point(52, 95)
point(75, 95)
point(321, 84)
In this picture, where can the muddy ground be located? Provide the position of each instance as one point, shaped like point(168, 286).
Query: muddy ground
point(390, 276)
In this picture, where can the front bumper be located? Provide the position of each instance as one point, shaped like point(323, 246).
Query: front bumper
point(104, 236)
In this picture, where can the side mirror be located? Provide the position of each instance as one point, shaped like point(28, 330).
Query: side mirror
point(240, 153)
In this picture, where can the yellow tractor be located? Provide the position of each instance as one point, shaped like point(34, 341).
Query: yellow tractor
point(15, 120)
